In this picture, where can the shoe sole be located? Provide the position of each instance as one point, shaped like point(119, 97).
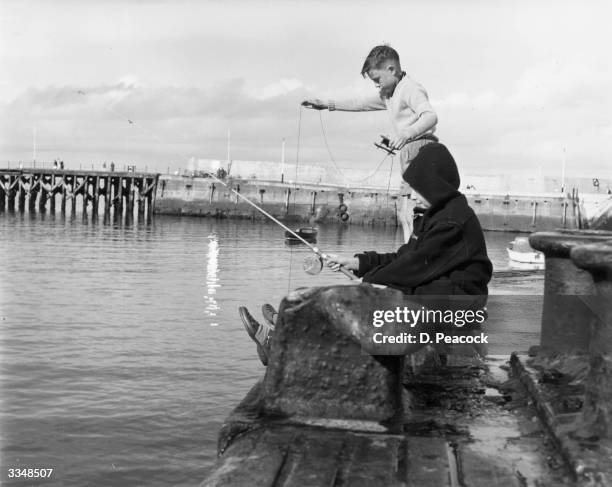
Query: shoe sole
point(268, 312)
point(246, 318)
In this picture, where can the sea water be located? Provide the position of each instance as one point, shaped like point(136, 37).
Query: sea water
point(121, 347)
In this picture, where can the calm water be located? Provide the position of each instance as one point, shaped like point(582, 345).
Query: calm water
point(122, 351)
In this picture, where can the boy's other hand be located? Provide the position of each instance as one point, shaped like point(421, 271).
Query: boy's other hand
point(334, 262)
point(315, 103)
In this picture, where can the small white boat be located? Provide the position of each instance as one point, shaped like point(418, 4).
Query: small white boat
point(519, 250)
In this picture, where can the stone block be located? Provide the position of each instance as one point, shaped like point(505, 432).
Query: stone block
point(565, 313)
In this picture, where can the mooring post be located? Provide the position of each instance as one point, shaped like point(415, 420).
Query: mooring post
point(563, 327)
point(597, 412)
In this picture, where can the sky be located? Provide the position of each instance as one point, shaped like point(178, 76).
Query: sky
point(519, 87)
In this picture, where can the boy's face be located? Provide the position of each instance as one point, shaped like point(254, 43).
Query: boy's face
point(385, 78)
point(419, 200)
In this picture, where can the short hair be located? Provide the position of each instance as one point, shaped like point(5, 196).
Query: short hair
point(377, 56)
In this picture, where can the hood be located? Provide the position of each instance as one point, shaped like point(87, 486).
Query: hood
point(434, 174)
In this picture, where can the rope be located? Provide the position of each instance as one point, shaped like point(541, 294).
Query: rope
point(338, 170)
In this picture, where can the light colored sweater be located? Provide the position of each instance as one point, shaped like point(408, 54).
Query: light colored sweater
point(409, 109)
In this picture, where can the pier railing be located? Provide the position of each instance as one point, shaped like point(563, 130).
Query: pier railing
point(107, 193)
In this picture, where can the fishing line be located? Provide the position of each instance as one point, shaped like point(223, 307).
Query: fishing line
point(389, 181)
point(297, 161)
point(314, 249)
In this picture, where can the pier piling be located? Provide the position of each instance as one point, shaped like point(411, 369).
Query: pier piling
point(52, 194)
point(21, 196)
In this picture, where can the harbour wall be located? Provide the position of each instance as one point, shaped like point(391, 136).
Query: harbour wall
point(311, 203)
point(493, 183)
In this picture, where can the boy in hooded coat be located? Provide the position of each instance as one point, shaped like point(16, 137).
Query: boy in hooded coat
point(444, 265)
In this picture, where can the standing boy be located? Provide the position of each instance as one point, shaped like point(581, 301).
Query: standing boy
point(447, 254)
point(412, 116)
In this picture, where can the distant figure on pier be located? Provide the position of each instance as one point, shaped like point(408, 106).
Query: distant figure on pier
point(445, 263)
point(412, 116)
point(112, 167)
point(104, 165)
point(61, 164)
point(221, 173)
point(55, 165)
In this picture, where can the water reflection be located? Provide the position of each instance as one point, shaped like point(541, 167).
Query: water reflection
point(212, 279)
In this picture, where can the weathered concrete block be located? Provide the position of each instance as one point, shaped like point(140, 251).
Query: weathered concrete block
point(319, 365)
point(564, 315)
point(597, 259)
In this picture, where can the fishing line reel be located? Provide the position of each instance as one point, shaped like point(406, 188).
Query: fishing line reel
point(313, 264)
point(385, 144)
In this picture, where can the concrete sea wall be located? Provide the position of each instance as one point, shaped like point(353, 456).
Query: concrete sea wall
point(310, 202)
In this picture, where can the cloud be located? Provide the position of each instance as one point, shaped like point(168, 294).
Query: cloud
point(128, 117)
point(551, 106)
point(278, 88)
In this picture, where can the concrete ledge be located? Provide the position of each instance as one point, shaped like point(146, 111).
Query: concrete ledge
point(556, 386)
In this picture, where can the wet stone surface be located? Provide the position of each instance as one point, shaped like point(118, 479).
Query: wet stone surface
point(466, 423)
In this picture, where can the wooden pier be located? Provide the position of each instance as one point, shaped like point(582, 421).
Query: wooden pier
point(124, 193)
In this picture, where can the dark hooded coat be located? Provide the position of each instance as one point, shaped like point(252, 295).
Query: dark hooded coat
point(446, 254)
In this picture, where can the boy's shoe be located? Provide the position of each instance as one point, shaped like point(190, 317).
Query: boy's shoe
point(269, 314)
point(257, 332)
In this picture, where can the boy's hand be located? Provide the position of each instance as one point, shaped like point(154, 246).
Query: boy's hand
point(315, 103)
point(398, 142)
point(334, 262)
